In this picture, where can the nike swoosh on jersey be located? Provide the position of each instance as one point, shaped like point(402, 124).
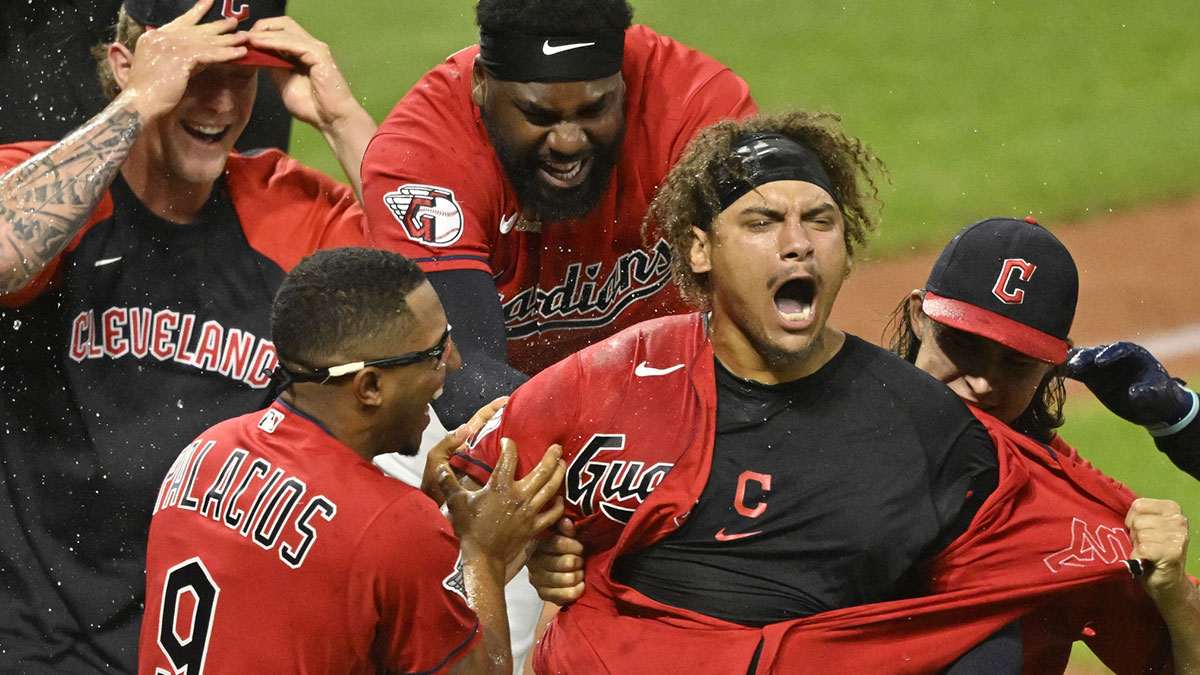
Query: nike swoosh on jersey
point(721, 536)
point(643, 370)
point(550, 50)
point(106, 261)
point(507, 222)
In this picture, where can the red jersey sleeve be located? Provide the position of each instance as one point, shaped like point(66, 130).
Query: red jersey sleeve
point(11, 156)
point(723, 96)
point(540, 413)
point(288, 210)
point(410, 554)
point(431, 182)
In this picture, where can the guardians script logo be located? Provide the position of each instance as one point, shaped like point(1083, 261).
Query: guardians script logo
point(1090, 545)
point(596, 479)
point(583, 299)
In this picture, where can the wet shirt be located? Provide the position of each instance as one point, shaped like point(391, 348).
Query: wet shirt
point(268, 508)
point(826, 492)
point(140, 335)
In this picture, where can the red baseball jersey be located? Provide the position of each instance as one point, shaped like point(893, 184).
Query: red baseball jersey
point(276, 549)
point(1052, 532)
point(436, 192)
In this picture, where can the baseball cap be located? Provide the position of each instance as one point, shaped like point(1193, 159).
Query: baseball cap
point(158, 13)
point(1010, 281)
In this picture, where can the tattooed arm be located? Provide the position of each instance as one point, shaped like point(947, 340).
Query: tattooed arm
point(46, 200)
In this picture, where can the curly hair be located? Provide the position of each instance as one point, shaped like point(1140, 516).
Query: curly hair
point(338, 298)
point(689, 191)
point(126, 32)
point(553, 17)
point(1040, 418)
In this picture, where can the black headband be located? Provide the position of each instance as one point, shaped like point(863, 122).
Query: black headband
point(767, 157)
point(540, 58)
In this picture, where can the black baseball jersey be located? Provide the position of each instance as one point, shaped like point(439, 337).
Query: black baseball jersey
point(825, 492)
point(142, 334)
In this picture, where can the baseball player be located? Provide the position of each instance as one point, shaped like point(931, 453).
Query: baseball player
point(992, 323)
point(723, 477)
point(137, 265)
point(518, 172)
point(283, 505)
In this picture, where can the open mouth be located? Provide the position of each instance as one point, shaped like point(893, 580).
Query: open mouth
point(566, 174)
point(205, 133)
point(794, 300)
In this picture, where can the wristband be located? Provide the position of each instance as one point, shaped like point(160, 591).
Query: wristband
point(1160, 431)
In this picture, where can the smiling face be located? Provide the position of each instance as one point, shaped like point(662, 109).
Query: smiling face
point(775, 259)
point(998, 380)
point(558, 142)
point(191, 143)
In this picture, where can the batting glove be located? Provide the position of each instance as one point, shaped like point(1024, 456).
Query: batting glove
point(1130, 382)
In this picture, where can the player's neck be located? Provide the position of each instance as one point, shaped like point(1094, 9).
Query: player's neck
point(325, 412)
point(736, 353)
point(166, 196)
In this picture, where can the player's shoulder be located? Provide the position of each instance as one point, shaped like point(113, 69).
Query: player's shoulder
point(895, 377)
point(276, 176)
point(439, 102)
point(675, 336)
point(662, 58)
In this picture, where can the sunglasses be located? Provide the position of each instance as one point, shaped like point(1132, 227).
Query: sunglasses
point(440, 351)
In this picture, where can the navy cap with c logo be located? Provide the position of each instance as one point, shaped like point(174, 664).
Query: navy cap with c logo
point(1008, 280)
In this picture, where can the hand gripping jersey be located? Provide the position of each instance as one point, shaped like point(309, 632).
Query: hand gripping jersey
point(435, 191)
point(140, 335)
point(276, 549)
point(1052, 528)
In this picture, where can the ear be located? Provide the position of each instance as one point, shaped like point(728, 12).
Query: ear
point(120, 60)
point(699, 255)
point(367, 388)
point(479, 78)
point(916, 313)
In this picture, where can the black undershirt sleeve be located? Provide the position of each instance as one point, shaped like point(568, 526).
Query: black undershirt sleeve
point(1183, 448)
point(473, 309)
point(999, 654)
point(968, 477)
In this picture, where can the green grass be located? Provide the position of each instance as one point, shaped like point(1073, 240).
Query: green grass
point(1059, 110)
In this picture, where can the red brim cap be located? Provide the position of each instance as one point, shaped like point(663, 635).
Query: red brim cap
point(255, 57)
point(977, 321)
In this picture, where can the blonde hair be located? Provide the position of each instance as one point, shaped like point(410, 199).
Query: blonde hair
point(127, 31)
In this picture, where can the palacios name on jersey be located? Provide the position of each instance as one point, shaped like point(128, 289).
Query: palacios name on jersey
point(258, 502)
point(165, 335)
point(584, 301)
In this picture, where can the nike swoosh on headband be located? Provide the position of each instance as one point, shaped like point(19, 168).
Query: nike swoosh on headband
point(550, 50)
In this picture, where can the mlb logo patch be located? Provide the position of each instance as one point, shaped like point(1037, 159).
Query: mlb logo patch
point(456, 582)
point(430, 215)
point(270, 420)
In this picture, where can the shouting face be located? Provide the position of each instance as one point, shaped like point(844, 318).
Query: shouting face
point(776, 259)
point(558, 142)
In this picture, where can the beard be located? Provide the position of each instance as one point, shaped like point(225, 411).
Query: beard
point(545, 202)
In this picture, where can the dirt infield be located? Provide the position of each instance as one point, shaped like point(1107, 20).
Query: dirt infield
point(1139, 280)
